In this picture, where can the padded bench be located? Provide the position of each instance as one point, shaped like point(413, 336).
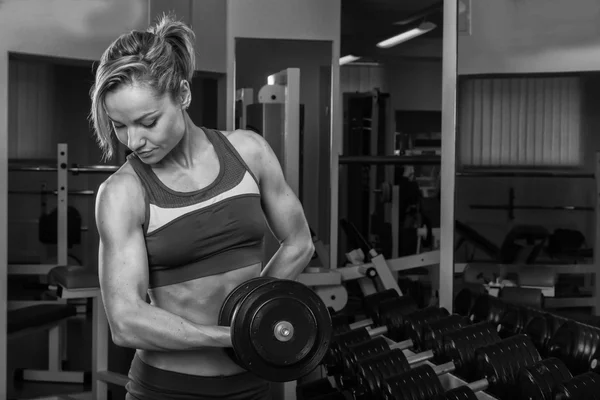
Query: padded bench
point(72, 287)
point(38, 317)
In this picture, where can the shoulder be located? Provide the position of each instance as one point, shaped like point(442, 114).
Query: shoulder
point(253, 148)
point(121, 195)
point(246, 141)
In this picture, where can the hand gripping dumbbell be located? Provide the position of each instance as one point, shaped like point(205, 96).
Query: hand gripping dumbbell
point(581, 387)
point(498, 365)
point(397, 327)
point(458, 346)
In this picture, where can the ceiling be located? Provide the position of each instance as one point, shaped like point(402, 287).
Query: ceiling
point(366, 22)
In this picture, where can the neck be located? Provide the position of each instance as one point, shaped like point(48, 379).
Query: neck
point(192, 143)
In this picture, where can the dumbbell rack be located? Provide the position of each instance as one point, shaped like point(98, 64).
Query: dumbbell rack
point(448, 380)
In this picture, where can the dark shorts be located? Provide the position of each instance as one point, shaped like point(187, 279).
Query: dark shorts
point(150, 383)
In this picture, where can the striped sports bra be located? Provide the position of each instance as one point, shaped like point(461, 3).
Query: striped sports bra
point(210, 231)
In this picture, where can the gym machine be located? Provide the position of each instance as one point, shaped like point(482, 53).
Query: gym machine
point(278, 116)
point(70, 287)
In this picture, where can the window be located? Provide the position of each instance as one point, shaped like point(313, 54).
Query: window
point(519, 121)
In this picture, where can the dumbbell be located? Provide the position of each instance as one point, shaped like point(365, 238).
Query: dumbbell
point(533, 382)
point(541, 327)
point(397, 327)
point(401, 304)
point(498, 365)
point(576, 344)
point(351, 355)
point(433, 333)
point(458, 347)
point(585, 386)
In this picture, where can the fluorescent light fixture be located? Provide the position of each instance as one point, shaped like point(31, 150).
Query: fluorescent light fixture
point(404, 36)
point(348, 59)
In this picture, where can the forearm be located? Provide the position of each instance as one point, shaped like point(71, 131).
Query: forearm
point(289, 261)
point(146, 327)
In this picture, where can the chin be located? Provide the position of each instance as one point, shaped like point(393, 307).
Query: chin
point(150, 159)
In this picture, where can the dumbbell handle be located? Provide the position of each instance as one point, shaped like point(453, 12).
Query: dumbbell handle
point(381, 330)
point(424, 356)
point(362, 324)
point(449, 367)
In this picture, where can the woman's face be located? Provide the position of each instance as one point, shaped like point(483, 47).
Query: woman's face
point(148, 125)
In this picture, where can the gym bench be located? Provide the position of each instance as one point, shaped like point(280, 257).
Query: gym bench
point(69, 286)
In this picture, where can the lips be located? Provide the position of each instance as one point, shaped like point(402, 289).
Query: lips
point(145, 153)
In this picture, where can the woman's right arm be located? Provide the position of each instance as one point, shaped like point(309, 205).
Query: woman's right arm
point(123, 270)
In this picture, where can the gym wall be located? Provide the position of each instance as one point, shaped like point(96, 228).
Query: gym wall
point(530, 36)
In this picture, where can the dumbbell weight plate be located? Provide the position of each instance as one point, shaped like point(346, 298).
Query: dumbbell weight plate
point(231, 302)
point(281, 330)
point(581, 387)
point(538, 381)
point(574, 343)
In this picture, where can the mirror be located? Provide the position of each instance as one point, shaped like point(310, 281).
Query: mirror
point(527, 152)
point(261, 67)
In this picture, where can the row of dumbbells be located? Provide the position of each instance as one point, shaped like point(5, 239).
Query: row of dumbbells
point(575, 343)
point(367, 366)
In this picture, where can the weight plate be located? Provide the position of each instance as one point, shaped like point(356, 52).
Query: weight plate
point(236, 295)
point(231, 302)
point(281, 330)
point(463, 302)
point(374, 300)
point(566, 344)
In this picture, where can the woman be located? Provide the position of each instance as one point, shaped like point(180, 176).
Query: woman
point(182, 221)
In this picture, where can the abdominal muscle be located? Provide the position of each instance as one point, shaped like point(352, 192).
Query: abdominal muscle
point(198, 301)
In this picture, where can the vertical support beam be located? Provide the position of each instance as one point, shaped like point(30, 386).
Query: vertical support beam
point(374, 151)
point(335, 151)
point(448, 170)
point(596, 289)
point(3, 213)
point(99, 348)
point(291, 140)
point(62, 182)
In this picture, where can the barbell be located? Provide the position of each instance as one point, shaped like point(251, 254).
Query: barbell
point(280, 329)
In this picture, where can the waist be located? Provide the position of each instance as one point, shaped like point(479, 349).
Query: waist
point(207, 362)
point(173, 380)
point(226, 261)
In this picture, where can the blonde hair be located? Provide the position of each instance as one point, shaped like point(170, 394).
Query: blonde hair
point(160, 58)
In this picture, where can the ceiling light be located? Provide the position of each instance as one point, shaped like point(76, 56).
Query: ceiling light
point(404, 36)
point(348, 59)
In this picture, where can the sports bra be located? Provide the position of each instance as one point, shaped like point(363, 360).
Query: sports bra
point(216, 229)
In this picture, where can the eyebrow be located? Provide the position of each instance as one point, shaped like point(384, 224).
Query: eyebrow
point(138, 120)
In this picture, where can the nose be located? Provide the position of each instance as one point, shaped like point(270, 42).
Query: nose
point(135, 139)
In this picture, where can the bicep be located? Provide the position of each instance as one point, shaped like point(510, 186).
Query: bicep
point(122, 264)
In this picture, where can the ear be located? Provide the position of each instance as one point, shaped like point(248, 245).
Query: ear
point(185, 94)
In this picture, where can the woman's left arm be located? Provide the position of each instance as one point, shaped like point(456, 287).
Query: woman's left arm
point(285, 217)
